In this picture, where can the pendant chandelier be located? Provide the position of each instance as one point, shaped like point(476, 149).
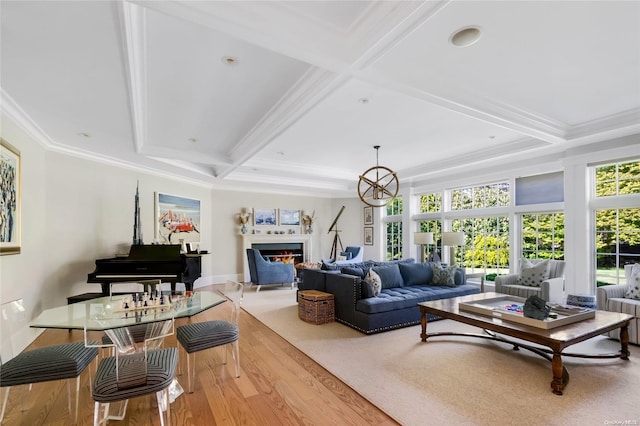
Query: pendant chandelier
point(378, 184)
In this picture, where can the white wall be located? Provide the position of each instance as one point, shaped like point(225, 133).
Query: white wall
point(24, 275)
point(90, 215)
point(227, 256)
point(75, 211)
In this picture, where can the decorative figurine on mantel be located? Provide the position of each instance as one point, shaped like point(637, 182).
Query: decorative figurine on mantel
point(308, 221)
point(243, 218)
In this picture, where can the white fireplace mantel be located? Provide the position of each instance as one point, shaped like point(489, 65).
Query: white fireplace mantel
point(249, 239)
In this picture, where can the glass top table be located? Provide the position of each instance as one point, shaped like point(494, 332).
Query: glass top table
point(112, 314)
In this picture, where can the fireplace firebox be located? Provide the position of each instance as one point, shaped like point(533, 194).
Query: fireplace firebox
point(283, 252)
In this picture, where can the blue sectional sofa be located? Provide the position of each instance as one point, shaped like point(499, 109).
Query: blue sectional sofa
point(405, 283)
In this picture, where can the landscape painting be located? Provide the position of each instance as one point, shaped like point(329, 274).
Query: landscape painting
point(178, 218)
point(289, 217)
point(264, 217)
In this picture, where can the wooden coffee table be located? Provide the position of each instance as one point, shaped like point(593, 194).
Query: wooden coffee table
point(557, 339)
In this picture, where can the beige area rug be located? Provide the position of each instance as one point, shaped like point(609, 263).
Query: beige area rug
point(459, 380)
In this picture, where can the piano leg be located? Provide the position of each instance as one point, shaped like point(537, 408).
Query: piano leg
point(188, 286)
point(105, 288)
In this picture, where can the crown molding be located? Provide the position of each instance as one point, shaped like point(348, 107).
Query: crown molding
point(12, 110)
point(133, 28)
point(613, 126)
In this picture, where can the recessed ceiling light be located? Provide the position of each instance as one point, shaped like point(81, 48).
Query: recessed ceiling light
point(193, 140)
point(280, 153)
point(465, 36)
point(229, 60)
point(363, 100)
point(492, 137)
point(84, 135)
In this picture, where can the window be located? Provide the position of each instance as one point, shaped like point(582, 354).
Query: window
point(394, 229)
point(543, 236)
point(617, 243)
point(431, 203)
point(494, 195)
point(487, 244)
point(434, 226)
point(617, 219)
point(618, 179)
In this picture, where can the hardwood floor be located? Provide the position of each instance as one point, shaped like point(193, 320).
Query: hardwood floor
point(278, 385)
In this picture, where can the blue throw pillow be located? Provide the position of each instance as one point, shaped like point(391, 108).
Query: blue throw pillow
point(416, 273)
point(390, 275)
point(358, 272)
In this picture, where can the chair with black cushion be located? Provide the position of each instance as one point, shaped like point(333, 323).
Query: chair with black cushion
point(199, 336)
point(127, 376)
point(135, 370)
point(59, 362)
point(263, 272)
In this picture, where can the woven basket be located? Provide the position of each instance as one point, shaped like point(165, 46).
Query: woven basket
point(316, 307)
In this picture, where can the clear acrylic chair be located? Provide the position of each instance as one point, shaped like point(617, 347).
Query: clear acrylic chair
point(135, 370)
point(60, 362)
point(199, 336)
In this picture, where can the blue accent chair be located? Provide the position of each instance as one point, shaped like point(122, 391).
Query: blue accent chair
point(354, 254)
point(263, 272)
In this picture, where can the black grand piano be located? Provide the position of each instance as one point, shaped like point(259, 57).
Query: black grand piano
point(148, 262)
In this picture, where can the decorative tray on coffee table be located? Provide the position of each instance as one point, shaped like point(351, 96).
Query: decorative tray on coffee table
point(509, 308)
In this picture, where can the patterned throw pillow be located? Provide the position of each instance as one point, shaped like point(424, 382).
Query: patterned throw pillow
point(375, 281)
point(532, 274)
point(444, 276)
point(634, 285)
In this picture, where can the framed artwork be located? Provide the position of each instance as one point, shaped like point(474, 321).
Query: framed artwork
point(10, 193)
point(264, 217)
point(368, 215)
point(177, 218)
point(289, 217)
point(368, 236)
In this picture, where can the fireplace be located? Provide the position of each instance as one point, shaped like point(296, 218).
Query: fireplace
point(277, 247)
point(283, 252)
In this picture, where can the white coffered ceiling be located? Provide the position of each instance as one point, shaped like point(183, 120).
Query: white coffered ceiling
point(313, 86)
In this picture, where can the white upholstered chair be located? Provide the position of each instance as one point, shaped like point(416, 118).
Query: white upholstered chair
point(611, 298)
point(550, 289)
